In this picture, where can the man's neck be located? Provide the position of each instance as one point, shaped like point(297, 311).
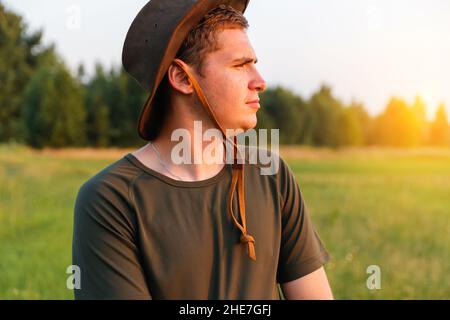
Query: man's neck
point(200, 166)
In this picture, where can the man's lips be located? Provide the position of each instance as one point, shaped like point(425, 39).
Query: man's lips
point(254, 104)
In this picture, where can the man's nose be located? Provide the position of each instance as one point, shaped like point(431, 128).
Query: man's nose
point(257, 83)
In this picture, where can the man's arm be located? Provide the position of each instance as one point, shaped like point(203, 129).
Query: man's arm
point(104, 246)
point(313, 286)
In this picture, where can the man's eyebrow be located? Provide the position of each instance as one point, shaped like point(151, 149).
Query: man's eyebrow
point(245, 60)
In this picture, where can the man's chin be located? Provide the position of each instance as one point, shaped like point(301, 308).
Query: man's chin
point(250, 124)
point(243, 127)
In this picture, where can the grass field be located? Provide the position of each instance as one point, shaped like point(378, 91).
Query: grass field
point(384, 207)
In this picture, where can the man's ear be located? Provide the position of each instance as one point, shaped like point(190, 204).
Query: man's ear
point(178, 79)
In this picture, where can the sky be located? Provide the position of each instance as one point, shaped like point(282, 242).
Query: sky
point(366, 50)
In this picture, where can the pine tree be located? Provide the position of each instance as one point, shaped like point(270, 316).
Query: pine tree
point(20, 55)
point(54, 113)
point(440, 131)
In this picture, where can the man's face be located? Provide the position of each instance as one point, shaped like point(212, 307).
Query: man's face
point(231, 80)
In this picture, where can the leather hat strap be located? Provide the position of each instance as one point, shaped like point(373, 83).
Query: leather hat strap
point(238, 168)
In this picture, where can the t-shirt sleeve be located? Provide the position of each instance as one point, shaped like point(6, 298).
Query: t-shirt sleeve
point(302, 251)
point(104, 246)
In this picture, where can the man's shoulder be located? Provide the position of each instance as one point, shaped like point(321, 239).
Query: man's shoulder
point(115, 177)
point(105, 197)
point(267, 160)
point(267, 165)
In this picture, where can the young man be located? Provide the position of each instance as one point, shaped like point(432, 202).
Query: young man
point(146, 227)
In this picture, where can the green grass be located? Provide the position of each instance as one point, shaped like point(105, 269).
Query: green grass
point(371, 207)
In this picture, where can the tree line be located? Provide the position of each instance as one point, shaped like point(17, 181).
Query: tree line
point(42, 104)
point(323, 120)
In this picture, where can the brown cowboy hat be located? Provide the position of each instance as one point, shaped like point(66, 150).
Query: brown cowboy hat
point(153, 40)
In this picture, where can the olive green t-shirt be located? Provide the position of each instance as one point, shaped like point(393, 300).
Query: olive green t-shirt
point(139, 234)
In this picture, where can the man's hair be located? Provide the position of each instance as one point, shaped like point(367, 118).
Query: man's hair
point(200, 41)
